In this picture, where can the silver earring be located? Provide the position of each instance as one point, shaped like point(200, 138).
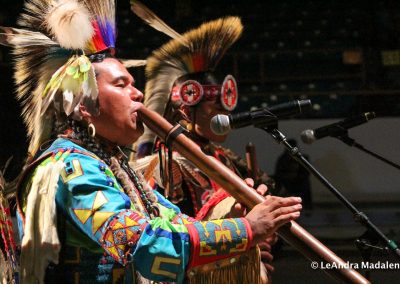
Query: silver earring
point(91, 130)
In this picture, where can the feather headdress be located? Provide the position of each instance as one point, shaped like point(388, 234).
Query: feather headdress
point(200, 50)
point(52, 71)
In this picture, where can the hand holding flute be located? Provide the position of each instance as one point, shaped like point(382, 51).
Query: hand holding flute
point(267, 217)
point(294, 234)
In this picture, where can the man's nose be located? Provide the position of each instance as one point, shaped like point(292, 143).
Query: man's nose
point(136, 95)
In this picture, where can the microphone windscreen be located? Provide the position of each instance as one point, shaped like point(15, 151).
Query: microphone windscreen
point(307, 136)
point(219, 124)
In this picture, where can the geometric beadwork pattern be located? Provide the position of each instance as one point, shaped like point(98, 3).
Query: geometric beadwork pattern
point(122, 233)
point(98, 217)
point(218, 239)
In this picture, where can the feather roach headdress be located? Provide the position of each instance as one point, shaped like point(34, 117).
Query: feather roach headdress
point(205, 47)
point(194, 52)
point(53, 71)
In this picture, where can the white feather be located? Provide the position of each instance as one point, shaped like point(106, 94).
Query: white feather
point(23, 38)
point(40, 240)
point(70, 23)
point(49, 98)
point(129, 63)
point(90, 93)
point(68, 98)
point(71, 84)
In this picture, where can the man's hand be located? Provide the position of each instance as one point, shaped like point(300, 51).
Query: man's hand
point(266, 256)
point(266, 259)
point(239, 210)
point(267, 217)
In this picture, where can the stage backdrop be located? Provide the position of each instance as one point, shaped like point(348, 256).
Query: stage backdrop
point(359, 176)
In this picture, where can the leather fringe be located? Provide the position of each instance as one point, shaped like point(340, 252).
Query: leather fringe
point(244, 268)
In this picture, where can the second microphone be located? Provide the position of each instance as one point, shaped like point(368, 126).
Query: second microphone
point(222, 124)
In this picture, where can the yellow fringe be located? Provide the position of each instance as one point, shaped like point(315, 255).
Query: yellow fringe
point(244, 268)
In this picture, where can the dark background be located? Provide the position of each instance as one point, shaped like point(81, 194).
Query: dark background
point(343, 55)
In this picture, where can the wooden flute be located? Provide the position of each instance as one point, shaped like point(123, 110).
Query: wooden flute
point(292, 233)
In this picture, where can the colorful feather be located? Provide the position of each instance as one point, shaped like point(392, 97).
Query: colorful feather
point(48, 60)
point(103, 24)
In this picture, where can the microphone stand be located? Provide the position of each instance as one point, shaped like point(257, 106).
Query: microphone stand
point(369, 240)
point(366, 242)
point(344, 137)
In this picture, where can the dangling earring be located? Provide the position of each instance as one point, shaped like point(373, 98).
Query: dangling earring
point(91, 130)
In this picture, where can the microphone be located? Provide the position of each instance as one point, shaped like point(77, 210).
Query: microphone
point(335, 129)
point(222, 124)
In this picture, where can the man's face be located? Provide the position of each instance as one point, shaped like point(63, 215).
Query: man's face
point(119, 101)
point(205, 111)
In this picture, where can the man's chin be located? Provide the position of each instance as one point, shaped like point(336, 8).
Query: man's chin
point(138, 132)
point(219, 138)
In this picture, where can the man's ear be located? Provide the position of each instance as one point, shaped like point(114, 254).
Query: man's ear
point(87, 116)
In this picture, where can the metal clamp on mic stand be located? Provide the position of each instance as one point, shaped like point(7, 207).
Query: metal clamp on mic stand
point(367, 241)
point(342, 135)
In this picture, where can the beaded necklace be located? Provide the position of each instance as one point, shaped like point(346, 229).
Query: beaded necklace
point(94, 145)
point(151, 208)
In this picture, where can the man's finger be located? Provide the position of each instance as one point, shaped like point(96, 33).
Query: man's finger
point(274, 202)
point(264, 246)
point(283, 219)
point(262, 189)
point(286, 210)
point(271, 240)
point(249, 182)
point(269, 267)
point(238, 210)
point(266, 256)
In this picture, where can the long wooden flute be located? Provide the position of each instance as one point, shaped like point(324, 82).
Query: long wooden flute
point(251, 160)
point(293, 233)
